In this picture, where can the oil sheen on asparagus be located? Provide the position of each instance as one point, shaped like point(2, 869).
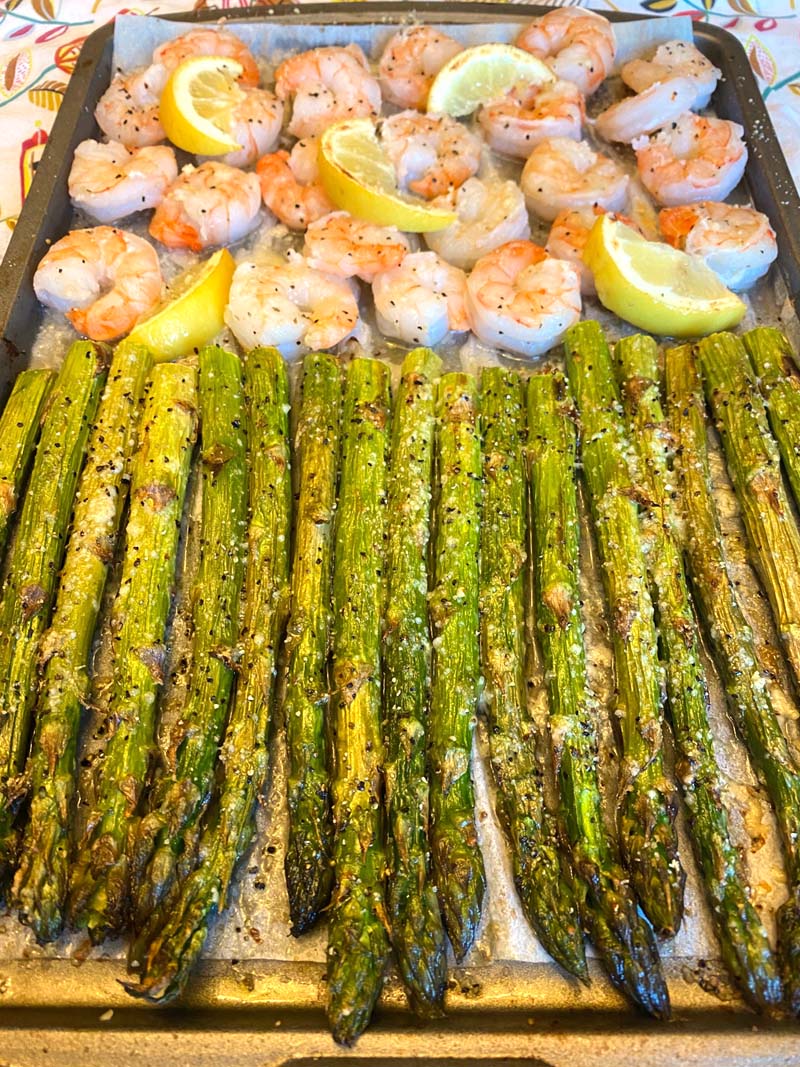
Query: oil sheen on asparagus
point(306, 705)
point(358, 943)
point(415, 919)
point(159, 473)
point(541, 874)
point(775, 364)
point(19, 429)
point(608, 905)
point(42, 881)
point(455, 689)
point(178, 929)
point(747, 685)
point(166, 839)
point(754, 465)
point(34, 565)
point(647, 805)
point(741, 934)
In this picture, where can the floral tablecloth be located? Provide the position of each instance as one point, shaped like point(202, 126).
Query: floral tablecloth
point(40, 41)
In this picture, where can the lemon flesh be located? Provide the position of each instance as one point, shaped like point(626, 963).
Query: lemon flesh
point(656, 287)
point(196, 105)
point(359, 178)
point(482, 74)
point(191, 313)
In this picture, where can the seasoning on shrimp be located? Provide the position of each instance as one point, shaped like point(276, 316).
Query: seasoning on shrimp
point(656, 106)
point(326, 85)
point(290, 185)
point(522, 300)
point(103, 279)
point(410, 61)
point(127, 112)
point(212, 204)
point(736, 242)
point(530, 114)
point(694, 159)
point(577, 45)
point(110, 181)
point(255, 123)
point(289, 305)
point(489, 214)
point(421, 301)
point(671, 60)
point(351, 248)
point(430, 153)
point(562, 174)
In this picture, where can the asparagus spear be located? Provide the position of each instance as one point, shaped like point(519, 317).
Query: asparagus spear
point(358, 945)
point(159, 474)
point(41, 883)
point(457, 860)
point(178, 931)
point(544, 882)
point(741, 934)
point(647, 804)
point(35, 562)
point(731, 639)
point(309, 866)
point(608, 906)
point(779, 377)
point(19, 428)
point(414, 917)
point(754, 466)
point(167, 834)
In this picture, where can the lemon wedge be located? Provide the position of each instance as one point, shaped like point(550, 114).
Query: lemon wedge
point(359, 178)
point(196, 105)
point(657, 287)
point(191, 313)
point(482, 74)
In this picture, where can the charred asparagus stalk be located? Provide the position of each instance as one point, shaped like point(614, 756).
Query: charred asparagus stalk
point(309, 852)
point(168, 833)
point(754, 465)
point(159, 474)
point(779, 377)
point(178, 931)
point(19, 428)
point(746, 685)
point(647, 804)
point(358, 945)
point(741, 934)
point(457, 860)
point(414, 917)
point(608, 906)
point(41, 883)
point(34, 566)
point(544, 883)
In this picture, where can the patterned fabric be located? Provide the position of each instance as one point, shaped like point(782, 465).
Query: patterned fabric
point(40, 41)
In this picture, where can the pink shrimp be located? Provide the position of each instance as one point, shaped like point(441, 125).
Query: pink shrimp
point(431, 154)
point(290, 185)
point(411, 60)
point(530, 114)
point(110, 181)
point(577, 45)
point(351, 248)
point(212, 204)
point(693, 159)
point(103, 279)
point(326, 85)
point(522, 300)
